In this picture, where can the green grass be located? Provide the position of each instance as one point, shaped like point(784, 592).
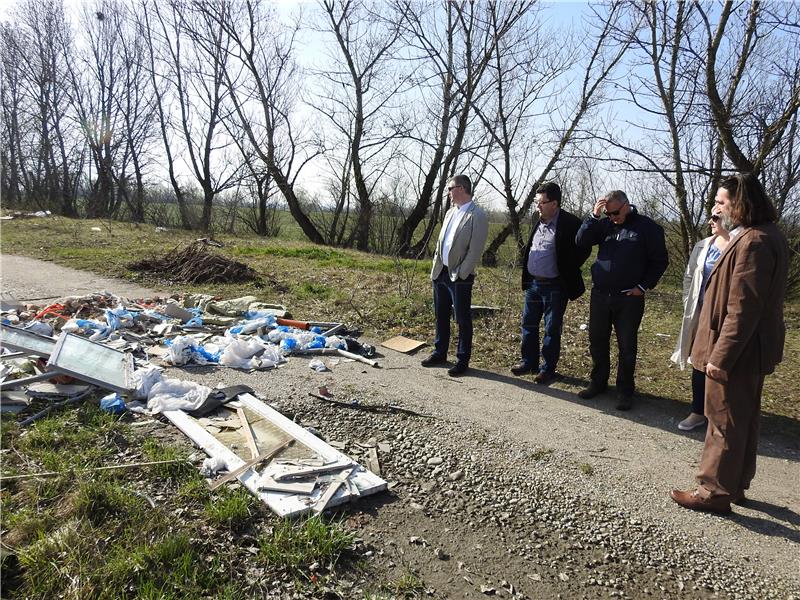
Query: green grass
point(297, 545)
point(231, 509)
point(408, 585)
point(586, 468)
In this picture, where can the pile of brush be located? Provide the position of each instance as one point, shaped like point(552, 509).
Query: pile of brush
point(196, 263)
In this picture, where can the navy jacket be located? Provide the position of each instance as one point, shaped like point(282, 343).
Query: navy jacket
point(569, 258)
point(629, 255)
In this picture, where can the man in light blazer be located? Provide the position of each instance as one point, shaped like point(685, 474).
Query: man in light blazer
point(739, 341)
point(458, 250)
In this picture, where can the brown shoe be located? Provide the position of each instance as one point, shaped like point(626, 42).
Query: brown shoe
point(694, 501)
point(545, 377)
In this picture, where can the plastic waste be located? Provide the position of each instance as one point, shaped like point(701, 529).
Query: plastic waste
point(113, 403)
point(250, 354)
point(184, 349)
point(175, 394)
point(318, 365)
point(212, 465)
point(145, 378)
point(39, 327)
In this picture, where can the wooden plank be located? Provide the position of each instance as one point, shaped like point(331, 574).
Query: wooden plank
point(249, 464)
point(402, 344)
point(285, 475)
point(373, 464)
point(289, 487)
point(325, 500)
point(248, 433)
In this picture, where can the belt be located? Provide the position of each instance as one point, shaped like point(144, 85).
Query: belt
point(611, 292)
point(545, 279)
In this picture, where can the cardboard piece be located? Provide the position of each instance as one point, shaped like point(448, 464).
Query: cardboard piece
point(403, 344)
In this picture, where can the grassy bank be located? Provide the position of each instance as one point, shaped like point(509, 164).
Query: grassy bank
point(386, 296)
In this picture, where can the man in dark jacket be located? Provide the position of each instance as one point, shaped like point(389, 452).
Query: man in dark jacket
point(551, 275)
point(631, 258)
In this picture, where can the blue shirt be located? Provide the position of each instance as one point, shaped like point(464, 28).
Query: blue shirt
point(542, 256)
point(712, 256)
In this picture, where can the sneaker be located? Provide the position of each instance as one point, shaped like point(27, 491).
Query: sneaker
point(693, 421)
point(521, 369)
point(433, 359)
point(457, 369)
point(591, 391)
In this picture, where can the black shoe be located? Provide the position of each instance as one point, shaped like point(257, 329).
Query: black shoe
point(521, 369)
point(591, 391)
point(433, 359)
point(545, 377)
point(457, 369)
point(624, 401)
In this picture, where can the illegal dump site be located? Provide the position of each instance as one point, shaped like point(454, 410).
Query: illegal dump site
point(184, 444)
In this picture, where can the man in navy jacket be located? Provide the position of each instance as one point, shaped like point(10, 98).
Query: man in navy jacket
point(631, 258)
point(551, 276)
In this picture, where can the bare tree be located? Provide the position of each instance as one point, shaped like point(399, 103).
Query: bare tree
point(742, 51)
point(42, 154)
point(361, 87)
point(453, 44)
point(525, 64)
point(194, 49)
point(604, 55)
point(263, 83)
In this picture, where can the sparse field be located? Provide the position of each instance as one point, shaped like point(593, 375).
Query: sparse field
point(385, 296)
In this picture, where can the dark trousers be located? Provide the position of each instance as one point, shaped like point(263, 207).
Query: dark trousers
point(448, 297)
point(624, 314)
point(698, 391)
point(543, 299)
point(733, 410)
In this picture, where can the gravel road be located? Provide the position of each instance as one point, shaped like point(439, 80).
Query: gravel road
point(514, 490)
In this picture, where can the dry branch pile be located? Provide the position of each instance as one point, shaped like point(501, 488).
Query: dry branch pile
point(196, 264)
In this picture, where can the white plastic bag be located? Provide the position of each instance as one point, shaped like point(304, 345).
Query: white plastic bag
point(175, 394)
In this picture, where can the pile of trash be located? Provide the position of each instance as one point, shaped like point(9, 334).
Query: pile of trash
point(71, 347)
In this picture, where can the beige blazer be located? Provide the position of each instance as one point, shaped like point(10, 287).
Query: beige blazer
point(468, 242)
point(741, 324)
point(692, 280)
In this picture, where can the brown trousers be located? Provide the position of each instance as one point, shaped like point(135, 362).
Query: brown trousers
point(729, 455)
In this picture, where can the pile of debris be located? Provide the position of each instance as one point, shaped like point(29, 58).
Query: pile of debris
point(196, 264)
point(68, 349)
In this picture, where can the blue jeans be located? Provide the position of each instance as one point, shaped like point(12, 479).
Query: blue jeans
point(548, 300)
point(453, 296)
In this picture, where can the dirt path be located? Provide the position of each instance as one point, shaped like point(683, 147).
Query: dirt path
point(620, 464)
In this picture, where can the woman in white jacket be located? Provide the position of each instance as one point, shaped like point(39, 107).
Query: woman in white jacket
point(704, 256)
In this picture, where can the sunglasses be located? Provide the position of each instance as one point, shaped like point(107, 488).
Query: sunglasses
point(452, 187)
point(715, 218)
point(612, 213)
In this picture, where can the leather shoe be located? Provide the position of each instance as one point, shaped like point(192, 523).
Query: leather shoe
point(591, 391)
point(457, 369)
point(739, 499)
point(433, 359)
point(720, 505)
point(544, 377)
point(521, 369)
point(624, 401)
